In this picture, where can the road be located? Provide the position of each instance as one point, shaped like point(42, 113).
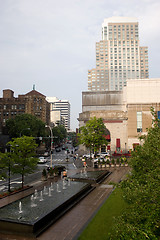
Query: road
point(58, 158)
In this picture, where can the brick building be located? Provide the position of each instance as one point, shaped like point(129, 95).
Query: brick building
point(32, 102)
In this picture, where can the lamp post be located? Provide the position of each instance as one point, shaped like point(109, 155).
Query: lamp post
point(23, 130)
point(51, 133)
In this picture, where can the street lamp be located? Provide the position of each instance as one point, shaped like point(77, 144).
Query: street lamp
point(51, 142)
point(23, 130)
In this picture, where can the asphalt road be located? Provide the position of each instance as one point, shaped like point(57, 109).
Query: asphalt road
point(58, 158)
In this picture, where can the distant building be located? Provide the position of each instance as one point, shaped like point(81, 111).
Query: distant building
point(32, 102)
point(126, 114)
point(119, 56)
point(59, 111)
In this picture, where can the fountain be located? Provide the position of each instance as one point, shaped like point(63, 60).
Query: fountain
point(45, 190)
point(51, 187)
point(41, 196)
point(35, 194)
point(49, 194)
point(36, 212)
point(58, 190)
point(69, 182)
point(20, 207)
point(33, 204)
point(90, 176)
point(64, 184)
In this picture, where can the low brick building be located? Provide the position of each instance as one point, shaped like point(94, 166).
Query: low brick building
point(32, 102)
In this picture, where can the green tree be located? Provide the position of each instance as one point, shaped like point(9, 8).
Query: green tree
point(6, 167)
point(59, 134)
point(72, 136)
point(92, 134)
point(141, 190)
point(23, 153)
point(25, 124)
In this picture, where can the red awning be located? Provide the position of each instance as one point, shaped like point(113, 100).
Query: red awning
point(118, 142)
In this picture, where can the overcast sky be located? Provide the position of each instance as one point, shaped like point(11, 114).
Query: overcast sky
point(51, 43)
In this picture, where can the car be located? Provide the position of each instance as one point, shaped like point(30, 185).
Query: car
point(88, 155)
point(46, 154)
point(58, 149)
point(42, 160)
point(104, 154)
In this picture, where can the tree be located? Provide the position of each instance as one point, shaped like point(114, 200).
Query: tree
point(6, 167)
point(92, 134)
point(72, 136)
point(23, 152)
point(59, 133)
point(25, 124)
point(141, 189)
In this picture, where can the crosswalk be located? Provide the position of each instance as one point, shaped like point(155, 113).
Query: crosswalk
point(58, 160)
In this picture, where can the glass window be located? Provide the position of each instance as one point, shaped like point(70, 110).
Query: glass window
point(139, 121)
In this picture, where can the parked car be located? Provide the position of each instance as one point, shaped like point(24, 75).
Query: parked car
point(42, 160)
point(88, 155)
point(58, 149)
point(46, 154)
point(104, 154)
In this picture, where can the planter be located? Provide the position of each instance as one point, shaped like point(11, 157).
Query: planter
point(126, 165)
point(15, 191)
point(107, 165)
point(50, 176)
point(112, 165)
point(117, 165)
point(44, 178)
point(103, 165)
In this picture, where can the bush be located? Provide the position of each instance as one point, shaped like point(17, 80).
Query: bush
point(44, 173)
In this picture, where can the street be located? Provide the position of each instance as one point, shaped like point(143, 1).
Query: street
point(58, 158)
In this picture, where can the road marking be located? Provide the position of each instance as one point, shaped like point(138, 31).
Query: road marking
point(74, 166)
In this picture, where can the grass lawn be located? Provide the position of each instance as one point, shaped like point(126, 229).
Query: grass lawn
point(102, 223)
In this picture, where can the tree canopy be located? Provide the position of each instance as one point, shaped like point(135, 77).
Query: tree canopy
point(141, 190)
point(23, 154)
point(25, 124)
point(92, 134)
point(59, 134)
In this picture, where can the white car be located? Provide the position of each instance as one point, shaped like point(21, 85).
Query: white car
point(104, 154)
point(42, 160)
point(88, 155)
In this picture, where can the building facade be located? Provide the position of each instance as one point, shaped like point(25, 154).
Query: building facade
point(119, 56)
point(32, 103)
point(126, 114)
point(59, 111)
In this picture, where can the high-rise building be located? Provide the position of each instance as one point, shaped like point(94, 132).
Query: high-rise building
point(119, 56)
point(59, 111)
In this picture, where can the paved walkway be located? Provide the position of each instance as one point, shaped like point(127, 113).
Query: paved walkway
point(69, 226)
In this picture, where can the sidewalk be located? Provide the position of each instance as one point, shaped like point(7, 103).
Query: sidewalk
point(69, 226)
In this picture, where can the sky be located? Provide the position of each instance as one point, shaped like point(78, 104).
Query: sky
point(51, 43)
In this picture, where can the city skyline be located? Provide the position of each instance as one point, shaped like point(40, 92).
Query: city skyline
point(52, 44)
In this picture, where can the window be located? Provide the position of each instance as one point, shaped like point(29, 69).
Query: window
point(139, 121)
point(158, 114)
